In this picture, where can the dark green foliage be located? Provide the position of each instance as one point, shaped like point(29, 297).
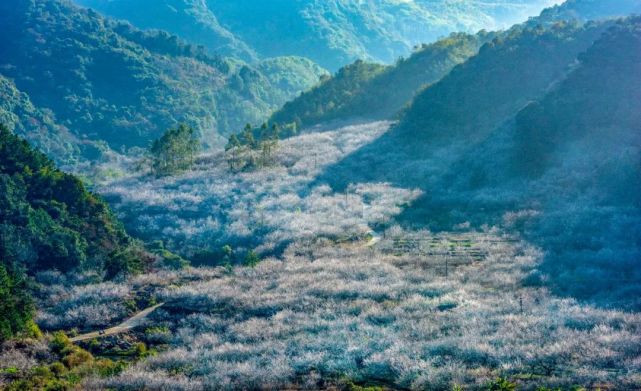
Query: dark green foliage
point(254, 148)
point(330, 99)
point(106, 80)
point(367, 92)
point(48, 219)
point(190, 20)
point(174, 151)
point(500, 384)
point(252, 259)
point(16, 306)
point(131, 260)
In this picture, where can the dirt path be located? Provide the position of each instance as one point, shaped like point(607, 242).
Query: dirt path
point(127, 325)
point(375, 238)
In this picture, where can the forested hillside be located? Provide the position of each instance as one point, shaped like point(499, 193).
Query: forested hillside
point(332, 97)
point(554, 154)
point(464, 107)
point(188, 19)
point(28, 121)
point(384, 95)
point(48, 220)
point(481, 93)
point(581, 147)
point(331, 33)
point(366, 92)
point(105, 80)
point(584, 10)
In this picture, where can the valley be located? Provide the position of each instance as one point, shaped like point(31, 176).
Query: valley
point(320, 195)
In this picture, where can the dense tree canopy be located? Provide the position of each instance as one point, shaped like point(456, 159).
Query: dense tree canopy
point(16, 306)
point(371, 92)
point(174, 151)
point(101, 79)
point(47, 218)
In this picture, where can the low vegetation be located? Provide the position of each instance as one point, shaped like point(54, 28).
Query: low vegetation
point(214, 205)
point(326, 315)
point(51, 363)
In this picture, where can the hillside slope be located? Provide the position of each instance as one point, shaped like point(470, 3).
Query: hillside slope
point(368, 95)
point(331, 33)
point(19, 114)
point(554, 155)
point(568, 164)
point(49, 220)
point(580, 146)
point(461, 110)
point(105, 80)
point(188, 19)
point(481, 93)
point(584, 10)
point(332, 98)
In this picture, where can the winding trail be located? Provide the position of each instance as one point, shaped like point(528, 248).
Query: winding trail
point(125, 326)
point(375, 238)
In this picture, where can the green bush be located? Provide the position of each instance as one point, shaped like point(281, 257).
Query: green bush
point(500, 384)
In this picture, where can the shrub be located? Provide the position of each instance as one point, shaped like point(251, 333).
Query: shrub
point(500, 384)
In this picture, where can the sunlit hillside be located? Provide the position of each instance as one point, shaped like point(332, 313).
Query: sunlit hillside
point(336, 195)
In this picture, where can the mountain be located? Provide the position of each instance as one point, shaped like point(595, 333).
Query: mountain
point(366, 91)
point(106, 80)
point(383, 95)
point(331, 33)
point(332, 98)
point(49, 220)
point(188, 19)
point(580, 148)
point(465, 106)
point(28, 121)
point(554, 155)
point(481, 93)
point(568, 163)
point(585, 10)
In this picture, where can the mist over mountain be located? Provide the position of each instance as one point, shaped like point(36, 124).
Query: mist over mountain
point(383, 95)
point(584, 10)
point(331, 33)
